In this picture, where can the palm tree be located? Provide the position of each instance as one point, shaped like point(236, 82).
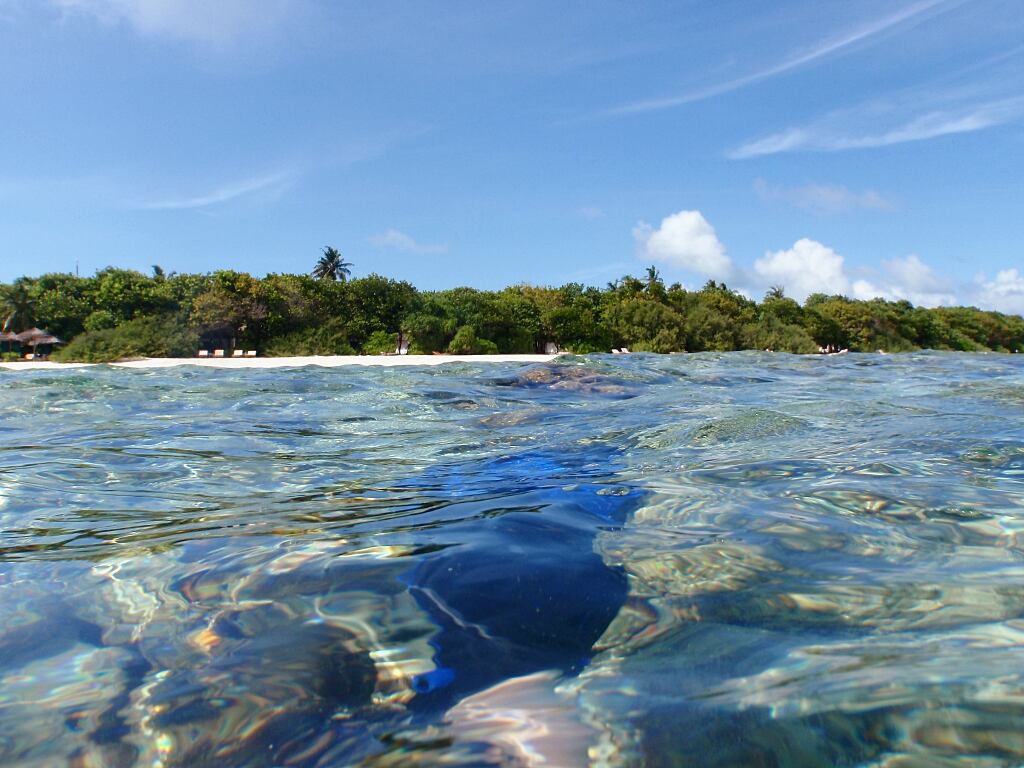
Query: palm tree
point(776, 292)
point(331, 266)
point(17, 307)
point(653, 278)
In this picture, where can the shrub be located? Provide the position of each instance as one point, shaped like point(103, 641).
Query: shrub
point(380, 343)
point(100, 320)
point(160, 336)
point(327, 339)
point(466, 342)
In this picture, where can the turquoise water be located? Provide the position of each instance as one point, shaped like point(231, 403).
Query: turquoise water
point(738, 559)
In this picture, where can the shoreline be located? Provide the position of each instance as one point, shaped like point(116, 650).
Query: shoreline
point(324, 361)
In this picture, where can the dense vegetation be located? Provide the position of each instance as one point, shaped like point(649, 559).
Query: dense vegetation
point(121, 313)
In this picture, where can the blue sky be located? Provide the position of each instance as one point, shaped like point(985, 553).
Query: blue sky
point(869, 148)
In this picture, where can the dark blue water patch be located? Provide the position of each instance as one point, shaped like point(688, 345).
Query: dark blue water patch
point(55, 630)
point(520, 593)
point(512, 473)
point(520, 589)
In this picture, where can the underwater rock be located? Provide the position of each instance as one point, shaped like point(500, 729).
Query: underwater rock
point(749, 424)
point(572, 378)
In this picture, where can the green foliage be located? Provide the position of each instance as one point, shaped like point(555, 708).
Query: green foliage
point(466, 342)
point(331, 266)
point(117, 313)
point(328, 339)
point(645, 325)
point(17, 305)
point(380, 343)
point(9, 357)
point(160, 336)
point(100, 320)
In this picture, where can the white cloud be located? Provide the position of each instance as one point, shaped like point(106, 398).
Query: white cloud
point(808, 267)
point(400, 241)
point(212, 23)
point(687, 241)
point(684, 240)
point(823, 198)
point(824, 48)
point(913, 280)
point(811, 267)
point(857, 128)
point(263, 188)
point(1004, 294)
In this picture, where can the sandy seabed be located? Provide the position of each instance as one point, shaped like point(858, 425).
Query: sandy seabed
point(326, 361)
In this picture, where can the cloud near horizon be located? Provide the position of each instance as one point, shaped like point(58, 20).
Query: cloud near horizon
point(811, 267)
point(808, 267)
point(1005, 293)
point(687, 241)
point(684, 240)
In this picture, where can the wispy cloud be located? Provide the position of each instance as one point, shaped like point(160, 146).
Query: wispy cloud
point(853, 129)
point(824, 48)
point(823, 198)
point(210, 24)
point(263, 188)
point(590, 212)
point(400, 241)
point(612, 269)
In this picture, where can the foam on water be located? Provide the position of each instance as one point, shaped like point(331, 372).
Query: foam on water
point(735, 559)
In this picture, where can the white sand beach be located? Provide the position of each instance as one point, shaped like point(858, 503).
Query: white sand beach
point(326, 361)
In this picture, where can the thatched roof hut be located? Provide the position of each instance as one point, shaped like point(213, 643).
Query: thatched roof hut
point(34, 337)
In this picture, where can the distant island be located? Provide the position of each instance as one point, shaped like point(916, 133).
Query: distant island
point(118, 314)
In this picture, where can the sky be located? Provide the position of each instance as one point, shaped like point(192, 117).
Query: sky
point(872, 149)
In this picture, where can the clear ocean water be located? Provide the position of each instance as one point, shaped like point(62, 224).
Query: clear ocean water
point(716, 560)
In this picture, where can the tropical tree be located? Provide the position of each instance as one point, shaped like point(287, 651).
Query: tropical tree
point(655, 285)
point(17, 306)
point(331, 266)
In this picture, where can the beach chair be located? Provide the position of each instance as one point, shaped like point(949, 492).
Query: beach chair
point(218, 353)
point(250, 353)
point(203, 353)
point(625, 350)
point(238, 353)
point(616, 352)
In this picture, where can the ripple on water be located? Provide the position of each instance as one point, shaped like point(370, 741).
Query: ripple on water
point(714, 559)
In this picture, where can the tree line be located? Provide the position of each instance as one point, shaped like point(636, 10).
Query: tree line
point(120, 313)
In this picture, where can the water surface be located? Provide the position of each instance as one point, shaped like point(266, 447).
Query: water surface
point(720, 560)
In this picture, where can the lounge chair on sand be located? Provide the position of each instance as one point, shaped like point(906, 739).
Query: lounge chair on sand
point(238, 353)
point(250, 353)
point(203, 353)
point(218, 353)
